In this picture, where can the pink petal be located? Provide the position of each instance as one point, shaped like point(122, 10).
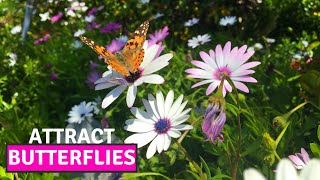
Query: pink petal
point(227, 48)
point(202, 65)
point(245, 79)
point(241, 86)
point(297, 161)
point(201, 83)
point(206, 58)
point(242, 73)
point(219, 55)
point(211, 88)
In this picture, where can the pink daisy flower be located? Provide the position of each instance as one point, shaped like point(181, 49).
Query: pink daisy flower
point(158, 36)
point(226, 61)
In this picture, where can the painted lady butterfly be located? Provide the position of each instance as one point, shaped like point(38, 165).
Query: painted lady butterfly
point(128, 61)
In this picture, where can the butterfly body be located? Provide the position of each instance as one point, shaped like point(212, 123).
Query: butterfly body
point(128, 61)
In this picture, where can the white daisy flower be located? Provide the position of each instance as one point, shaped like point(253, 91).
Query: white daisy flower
point(79, 6)
point(270, 40)
point(16, 29)
point(191, 22)
point(79, 32)
point(228, 20)
point(159, 124)
point(82, 111)
point(158, 15)
point(89, 18)
point(45, 16)
point(13, 59)
point(150, 64)
point(285, 170)
point(196, 41)
point(258, 46)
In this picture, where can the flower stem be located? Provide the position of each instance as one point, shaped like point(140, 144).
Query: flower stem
point(229, 160)
point(195, 165)
point(235, 168)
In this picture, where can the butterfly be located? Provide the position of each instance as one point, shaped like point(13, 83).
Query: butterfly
point(128, 61)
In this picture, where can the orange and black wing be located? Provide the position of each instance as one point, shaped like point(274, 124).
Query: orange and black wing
point(110, 58)
point(133, 51)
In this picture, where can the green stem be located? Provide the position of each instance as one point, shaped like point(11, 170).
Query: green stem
point(235, 168)
point(231, 144)
point(195, 165)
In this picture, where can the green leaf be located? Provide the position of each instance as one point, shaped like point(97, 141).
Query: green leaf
point(220, 176)
point(313, 45)
point(315, 148)
point(194, 175)
point(136, 175)
point(2, 171)
point(206, 168)
point(48, 176)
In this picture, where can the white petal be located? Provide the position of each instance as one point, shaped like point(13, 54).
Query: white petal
point(149, 55)
point(152, 148)
point(131, 95)
point(175, 106)
point(138, 126)
point(179, 120)
point(141, 139)
point(160, 145)
point(149, 110)
point(253, 174)
point(160, 104)
point(112, 95)
point(167, 142)
point(311, 171)
point(152, 102)
point(177, 114)
point(285, 170)
point(182, 127)
point(168, 103)
point(148, 121)
point(153, 79)
point(174, 133)
point(140, 114)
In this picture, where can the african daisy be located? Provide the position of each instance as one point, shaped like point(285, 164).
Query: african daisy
point(82, 111)
point(162, 121)
point(150, 64)
point(199, 40)
point(224, 62)
point(228, 20)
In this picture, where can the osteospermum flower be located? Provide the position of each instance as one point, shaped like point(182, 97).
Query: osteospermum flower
point(151, 63)
point(300, 160)
point(56, 17)
point(45, 16)
point(115, 45)
point(199, 40)
point(228, 20)
point(191, 22)
point(162, 121)
point(158, 36)
point(286, 171)
point(224, 62)
point(82, 112)
point(13, 59)
point(111, 27)
point(16, 29)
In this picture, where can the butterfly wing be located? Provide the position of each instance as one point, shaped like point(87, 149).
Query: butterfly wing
point(110, 58)
point(133, 51)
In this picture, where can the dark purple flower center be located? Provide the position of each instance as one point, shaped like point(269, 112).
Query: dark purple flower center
point(162, 126)
point(133, 76)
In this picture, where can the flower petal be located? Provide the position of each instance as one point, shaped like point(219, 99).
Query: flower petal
point(131, 95)
point(160, 145)
point(252, 174)
point(167, 142)
point(138, 126)
point(160, 104)
point(174, 133)
point(153, 105)
point(112, 95)
point(179, 120)
point(175, 106)
point(311, 171)
point(182, 127)
point(141, 139)
point(168, 103)
point(140, 114)
point(285, 170)
point(152, 148)
point(153, 79)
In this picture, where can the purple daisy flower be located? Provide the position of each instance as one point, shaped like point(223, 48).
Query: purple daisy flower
point(56, 17)
point(111, 27)
point(158, 36)
point(300, 160)
point(115, 45)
